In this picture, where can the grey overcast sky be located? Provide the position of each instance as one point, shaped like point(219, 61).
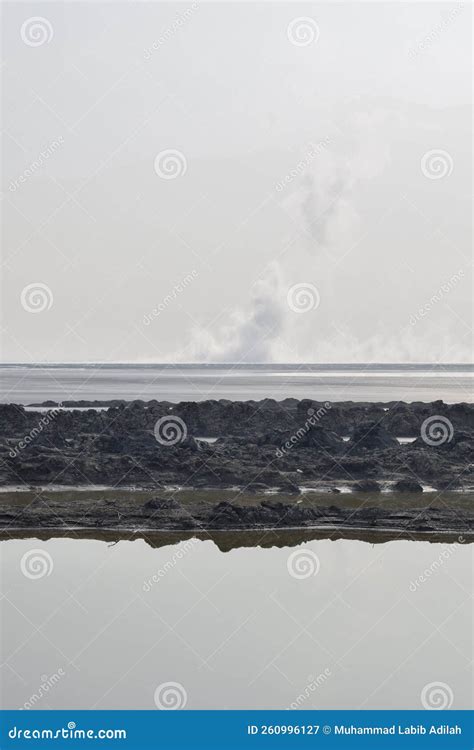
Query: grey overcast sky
point(326, 145)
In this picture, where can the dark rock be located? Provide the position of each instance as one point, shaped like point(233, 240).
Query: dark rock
point(261, 445)
point(407, 485)
point(161, 504)
point(367, 485)
point(371, 436)
point(192, 444)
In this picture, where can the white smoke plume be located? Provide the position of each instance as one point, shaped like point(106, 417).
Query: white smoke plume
point(324, 202)
point(249, 336)
point(326, 206)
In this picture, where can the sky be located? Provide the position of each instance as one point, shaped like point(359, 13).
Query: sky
point(224, 182)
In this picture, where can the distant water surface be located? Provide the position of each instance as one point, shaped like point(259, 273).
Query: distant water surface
point(32, 384)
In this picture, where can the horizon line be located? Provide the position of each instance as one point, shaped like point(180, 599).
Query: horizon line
point(139, 363)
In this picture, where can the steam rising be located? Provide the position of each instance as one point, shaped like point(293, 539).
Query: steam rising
point(322, 205)
point(250, 335)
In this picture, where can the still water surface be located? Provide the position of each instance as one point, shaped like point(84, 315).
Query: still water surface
point(235, 628)
point(25, 385)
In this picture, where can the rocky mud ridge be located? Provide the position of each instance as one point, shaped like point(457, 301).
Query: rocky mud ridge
point(44, 511)
point(261, 446)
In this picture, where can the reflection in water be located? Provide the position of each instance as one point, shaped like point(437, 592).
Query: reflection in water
point(322, 624)
point(235, 539)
